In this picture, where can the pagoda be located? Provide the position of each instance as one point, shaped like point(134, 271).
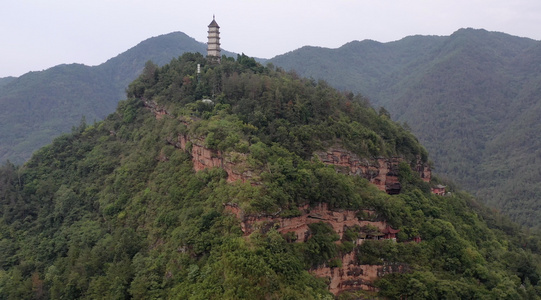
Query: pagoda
point(213, 44)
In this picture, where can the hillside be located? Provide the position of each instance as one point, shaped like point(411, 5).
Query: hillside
point(469, 97)
point(5, 80)
point(247, 182)
point(39, 106)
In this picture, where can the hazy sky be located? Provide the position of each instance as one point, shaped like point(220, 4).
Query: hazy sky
point(39, 34)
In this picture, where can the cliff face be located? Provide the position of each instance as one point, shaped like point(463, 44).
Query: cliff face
point(383, 172)
point(157, 110)
point(339, 220)
point(232, 162)
point(351, 275)
point(354, 277)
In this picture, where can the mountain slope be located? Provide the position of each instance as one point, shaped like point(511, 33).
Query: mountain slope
point(5, 80)
point(175, 197)
point(41, 105)
point(469, 97)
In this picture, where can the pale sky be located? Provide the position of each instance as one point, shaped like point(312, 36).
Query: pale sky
point(39, 34)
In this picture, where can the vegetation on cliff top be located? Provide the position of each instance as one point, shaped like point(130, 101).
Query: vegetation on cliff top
point(38, 106)
point(472, 99)
point(113, 210)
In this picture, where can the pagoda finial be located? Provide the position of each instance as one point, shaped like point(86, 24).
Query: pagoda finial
point(213, 17)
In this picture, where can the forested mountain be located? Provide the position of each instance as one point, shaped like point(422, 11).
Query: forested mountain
point(5, 80)
point(39, 106)
point(231, 184)
point(472, 98)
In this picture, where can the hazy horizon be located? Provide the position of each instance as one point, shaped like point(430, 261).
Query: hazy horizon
point(40, 35)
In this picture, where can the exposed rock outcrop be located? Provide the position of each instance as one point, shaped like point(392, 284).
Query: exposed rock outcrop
point(233, 163)
point(383, 172)
point(157, 110)
point(339, 220)
point(351, 275)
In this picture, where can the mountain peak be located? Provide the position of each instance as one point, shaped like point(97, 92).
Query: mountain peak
point(247, 182)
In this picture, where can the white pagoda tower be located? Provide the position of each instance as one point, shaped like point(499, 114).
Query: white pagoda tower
point(213, 44)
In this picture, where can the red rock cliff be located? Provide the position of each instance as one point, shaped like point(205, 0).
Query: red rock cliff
point(232, 162)
point(340, 220)
point(350, 275)
point(383, 172)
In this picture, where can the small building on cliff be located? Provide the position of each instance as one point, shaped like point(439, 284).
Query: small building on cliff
point(438, 190)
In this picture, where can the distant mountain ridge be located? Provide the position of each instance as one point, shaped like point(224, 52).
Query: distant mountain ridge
point(173, 196)
point(472, 98)
point(39, 106)
point(6, 80)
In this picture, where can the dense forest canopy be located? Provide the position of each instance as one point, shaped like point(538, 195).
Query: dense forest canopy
point(472, 98)
point(115, 210)
point(38, 106)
